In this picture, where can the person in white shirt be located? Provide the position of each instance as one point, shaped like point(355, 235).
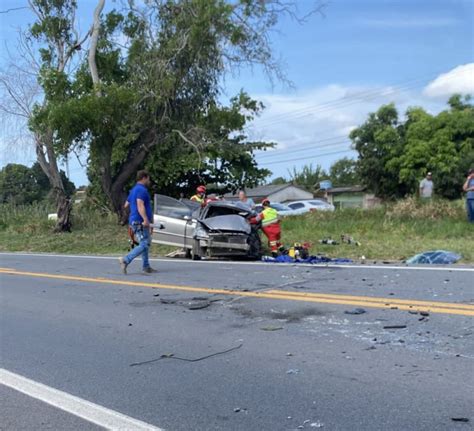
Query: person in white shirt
point(426, 187)
point(245, 200)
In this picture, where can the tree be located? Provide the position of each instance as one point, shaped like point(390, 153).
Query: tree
point(154, 101)
point(308, 177)
point(57, 42)
point(20, 184)
point(394, 155)
point(344, 172)
point(443, 144)
point(378, 141)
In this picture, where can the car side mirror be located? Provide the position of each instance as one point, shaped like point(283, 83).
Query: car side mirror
point(187, 218)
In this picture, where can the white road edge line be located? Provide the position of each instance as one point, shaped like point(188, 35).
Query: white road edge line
point(102, 416)
point(210, 262)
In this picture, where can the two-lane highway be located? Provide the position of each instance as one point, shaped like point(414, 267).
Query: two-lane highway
point(234, 346)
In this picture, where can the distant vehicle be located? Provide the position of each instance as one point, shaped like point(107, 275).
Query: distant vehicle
point(311, 205)
point(219, 229)
point(283, 210)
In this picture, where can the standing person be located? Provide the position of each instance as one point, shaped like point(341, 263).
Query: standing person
point(200, 195)
point(468, 187)
point(426, 187)
point(139, 221)
point(270, 226)
point(245, 200)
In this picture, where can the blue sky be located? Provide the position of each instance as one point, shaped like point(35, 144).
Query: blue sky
point(361, 54)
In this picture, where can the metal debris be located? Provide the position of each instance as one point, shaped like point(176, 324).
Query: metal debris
point(355, 311)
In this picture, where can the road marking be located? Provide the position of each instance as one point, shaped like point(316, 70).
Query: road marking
point(221, 262)
point(367, 301)
point(101, 416)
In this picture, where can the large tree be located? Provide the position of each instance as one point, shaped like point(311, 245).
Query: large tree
point(394, 155)
point(37, 79)
point(155, 99)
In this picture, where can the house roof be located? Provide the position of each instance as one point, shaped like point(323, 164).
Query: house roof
point(350, 189)
point(266, 190)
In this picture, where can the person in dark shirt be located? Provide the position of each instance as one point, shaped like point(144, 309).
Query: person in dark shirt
point(140, 220)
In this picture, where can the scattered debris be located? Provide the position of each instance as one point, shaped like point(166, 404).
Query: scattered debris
point(413, 311)
point(156, 294)
point(168, 301)
point(237, 410)
point(349, 240)
point(172, 356)
point(435, 257)
point(424, 313)
point(328, 241)
point(460, 419)
point(395, 327)
point(130, 324)
point(271, 328)
point(316, 424)
point(199, 305)
point(355, 311)
point(293, 371)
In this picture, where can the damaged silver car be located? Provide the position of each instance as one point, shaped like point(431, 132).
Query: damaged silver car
point(220, 229)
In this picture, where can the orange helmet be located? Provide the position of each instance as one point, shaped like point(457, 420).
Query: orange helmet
point(266, 201)
point(201, 189)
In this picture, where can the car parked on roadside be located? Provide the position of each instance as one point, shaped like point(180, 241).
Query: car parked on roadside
point(283, 210)
point(220, 229)
point(311, 205)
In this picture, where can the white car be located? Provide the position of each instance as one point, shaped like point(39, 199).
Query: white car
point(283, 210)
point(311, 205)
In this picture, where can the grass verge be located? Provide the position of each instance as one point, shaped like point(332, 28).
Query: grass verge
point(394, 232)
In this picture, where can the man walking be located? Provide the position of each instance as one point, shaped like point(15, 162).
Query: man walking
point(468, 187)
point(141, 216)
point(426, 187)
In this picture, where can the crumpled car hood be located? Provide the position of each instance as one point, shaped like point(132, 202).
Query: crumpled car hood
point(233, 223)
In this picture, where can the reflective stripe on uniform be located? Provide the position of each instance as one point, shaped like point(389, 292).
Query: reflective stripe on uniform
point(269, 216)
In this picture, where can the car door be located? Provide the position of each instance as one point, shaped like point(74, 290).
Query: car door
point(173, 222)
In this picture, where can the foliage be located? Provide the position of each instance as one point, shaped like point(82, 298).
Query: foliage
point(395, 156)
point(393, 232)
point(308, 177)
point(344, 172)
point(20, 184)
point(156, 104)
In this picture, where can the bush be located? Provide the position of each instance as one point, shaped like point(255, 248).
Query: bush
point(436, 209)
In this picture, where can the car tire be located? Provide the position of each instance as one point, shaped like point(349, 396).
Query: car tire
point(255, 249)
point(196, 252)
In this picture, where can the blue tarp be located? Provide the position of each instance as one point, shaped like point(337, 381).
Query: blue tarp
point(310, 259)
point(440, 257)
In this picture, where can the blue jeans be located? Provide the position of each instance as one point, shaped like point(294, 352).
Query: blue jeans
point(470, 210)
point(142, 234)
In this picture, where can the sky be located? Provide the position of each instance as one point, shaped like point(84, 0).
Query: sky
point(343, 65)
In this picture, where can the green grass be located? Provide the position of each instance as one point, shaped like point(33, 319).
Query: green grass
point(392, 233)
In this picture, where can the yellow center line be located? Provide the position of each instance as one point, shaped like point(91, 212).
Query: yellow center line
point(364, 301)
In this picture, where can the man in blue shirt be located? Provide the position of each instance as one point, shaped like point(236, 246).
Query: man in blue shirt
point(140, 220)
point(468, 187)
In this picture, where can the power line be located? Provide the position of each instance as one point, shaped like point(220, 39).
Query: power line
point(13, 9)
point(348, 100)
point(305, 148)
point(306, 158)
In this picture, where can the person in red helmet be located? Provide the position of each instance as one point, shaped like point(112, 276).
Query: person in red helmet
point(270, 226)
point(200, 195)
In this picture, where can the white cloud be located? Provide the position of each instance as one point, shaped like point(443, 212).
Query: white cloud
point(458, 80)
point(307, 126)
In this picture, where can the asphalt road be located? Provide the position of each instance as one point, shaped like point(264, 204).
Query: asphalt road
point(224, 346)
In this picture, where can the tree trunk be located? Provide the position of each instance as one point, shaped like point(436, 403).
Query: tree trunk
point(47, 160)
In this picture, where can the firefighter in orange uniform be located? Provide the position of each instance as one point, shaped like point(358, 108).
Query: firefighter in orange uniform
point(270, 226)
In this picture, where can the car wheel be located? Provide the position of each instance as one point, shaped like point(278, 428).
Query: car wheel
point(196, 252)
point(255, 249)
point(188, 254)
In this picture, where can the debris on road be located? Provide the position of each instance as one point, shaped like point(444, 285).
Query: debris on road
point(395, 327)
point(310, 260)
point(460, 419)
point(436, 257)
point(172, 356)
point(355, 311)
point(271, 328)
point(199, 305)
point(293, 371)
